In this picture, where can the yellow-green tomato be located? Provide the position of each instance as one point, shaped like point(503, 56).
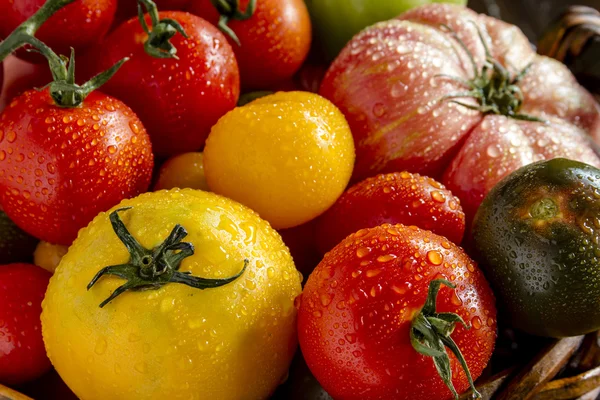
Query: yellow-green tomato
point(208, 312)
point(288, 156)
point(337, 21)
point(182, 171)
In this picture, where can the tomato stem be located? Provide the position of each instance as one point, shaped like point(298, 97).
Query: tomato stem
point(158, 44)
point(230, 9)
point(154, 268)
point(24, 32)
point(430, 335)
point(493, 86)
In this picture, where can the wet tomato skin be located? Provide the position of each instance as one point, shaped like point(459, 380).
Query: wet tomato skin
point(274, 41)
point(78, 25)
point(395, 198)
point(356, 309)
point(60, 167)
point(188, 95)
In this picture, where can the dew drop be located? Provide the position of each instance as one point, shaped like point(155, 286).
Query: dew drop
point(362, 251)
point(435, 257)
point(386, 258)
point(476, 322)
point(493, 151)
point(378, 109)
point(325, 299)
point(438, 196)
point(100, 346)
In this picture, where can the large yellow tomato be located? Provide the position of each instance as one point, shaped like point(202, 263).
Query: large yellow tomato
point(232, 340)
point(288, 156)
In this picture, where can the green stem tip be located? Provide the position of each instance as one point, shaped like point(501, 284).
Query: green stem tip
point(230, 9)
point(153, 268)
point(158, 44)
point(430, 335)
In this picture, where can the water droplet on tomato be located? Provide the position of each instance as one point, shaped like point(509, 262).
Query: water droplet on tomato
point(435, 257)
point(100, 346)
point(438, 196)
point(476, 322)
point(378, 109)
point(386, 258)
point(325, 299)
point(372, 273)
point(493, 151)
point(11, 136)
point(317, 314)
point(362, 251)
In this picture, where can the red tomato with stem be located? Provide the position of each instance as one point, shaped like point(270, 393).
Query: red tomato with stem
point(396, 198)
point(178, 100)
point(127, 9)
point(77, 25)
point(270, 44)
point(22, 352)
point(445, 92)
point(60, 167)
point(368, 306)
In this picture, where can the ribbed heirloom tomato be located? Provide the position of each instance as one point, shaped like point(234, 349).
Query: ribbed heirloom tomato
point(417, 100)
point(372, 308)
point(197, 302)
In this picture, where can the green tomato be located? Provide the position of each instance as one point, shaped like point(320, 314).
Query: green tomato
point(337, 21)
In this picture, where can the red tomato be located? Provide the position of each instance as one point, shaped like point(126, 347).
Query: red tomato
point(391, 81)
point(22, 353)
point(78, 25)
point(178, 100)
point(362, 301)
point(274, 42)
point(396, 198)
point(60, 167)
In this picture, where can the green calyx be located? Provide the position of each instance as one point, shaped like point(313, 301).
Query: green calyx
point(496, 90)
point(545, 208)
point(153, 268)
point(158, 44)
point(63, 89)
point(230, 9)
point(430, 335)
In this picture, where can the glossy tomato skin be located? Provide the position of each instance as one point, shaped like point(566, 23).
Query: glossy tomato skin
point(78, 25)
point(274, 41)
point(22, 352)
point(60, 167)
point(396, 198)
point(177, 100)
point(231, 342)
point(387, 83)
point(355, 315)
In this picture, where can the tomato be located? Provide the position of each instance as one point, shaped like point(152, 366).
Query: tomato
point(178, 100)
point(536, 236)
point(21, 76)
point(288, 156)
point(396, 198)
point(336, 21)
point(77, 25)
point(127, 9)
point(48, 255)
point(233, 340)
point(15, 245)
point(182, 171)
point(271, 45)
point(392, 82)
point(59, 167)
point(367, 304)
point(22, 353)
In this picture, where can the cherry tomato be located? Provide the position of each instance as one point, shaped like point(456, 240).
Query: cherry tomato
point(22, 353)
point(48, 255)
point(60, 167)
point(178, 100)
point(183, 171)
point(77, 25)
point(396, 198)
point(273, 42)
point(369, 296)
point(288, 156)
point(398, 84)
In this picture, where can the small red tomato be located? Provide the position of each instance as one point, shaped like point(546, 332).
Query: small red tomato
point(273, 42)
point(396, 198)
point(367, 308)
point(77, 25)
point(22, 353)
point(60, 167)
point(178, 100)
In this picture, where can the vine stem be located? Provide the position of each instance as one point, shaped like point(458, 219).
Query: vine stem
point(23, 34)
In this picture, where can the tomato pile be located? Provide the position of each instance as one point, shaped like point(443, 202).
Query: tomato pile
point(198, 194)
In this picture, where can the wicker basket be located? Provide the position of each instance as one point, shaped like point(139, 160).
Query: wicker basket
point(523, 367)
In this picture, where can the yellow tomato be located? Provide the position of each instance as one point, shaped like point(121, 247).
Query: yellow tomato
point(288, 156)
point(182, 171)
point(174, 341)
point(48, 255)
